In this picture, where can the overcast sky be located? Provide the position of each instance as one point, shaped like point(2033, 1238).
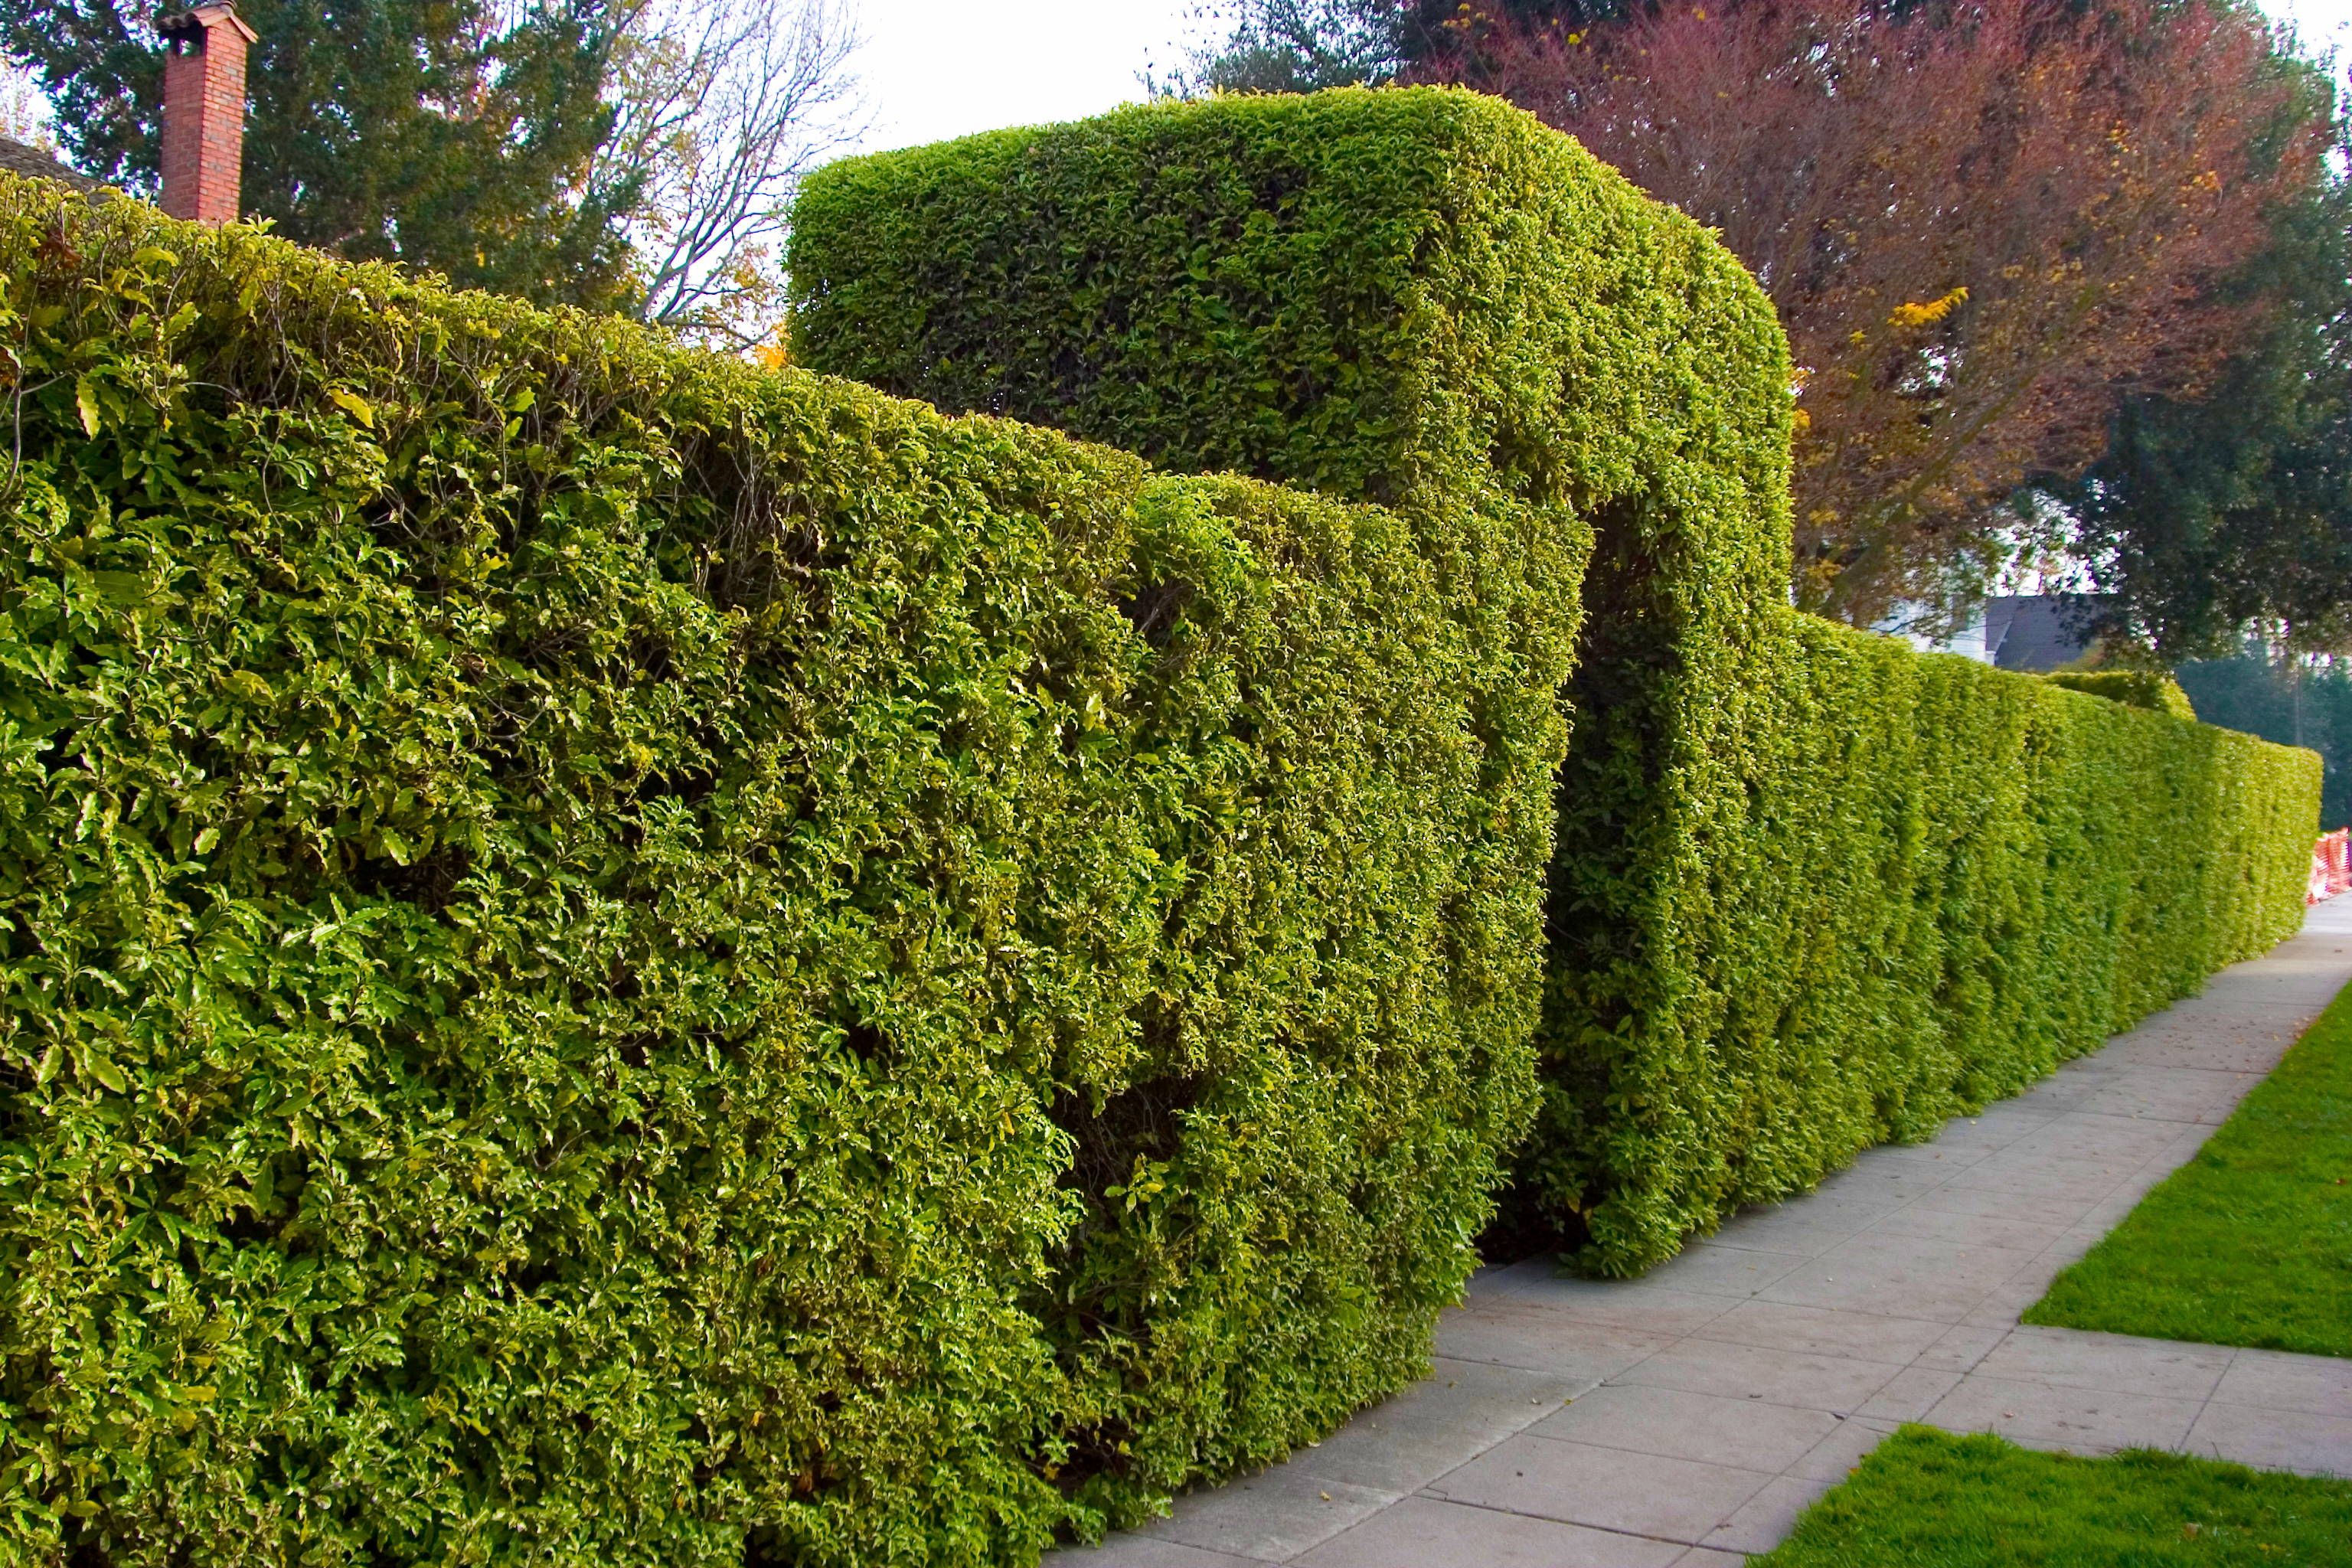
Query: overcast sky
point(937, 68)
point(2323, 23)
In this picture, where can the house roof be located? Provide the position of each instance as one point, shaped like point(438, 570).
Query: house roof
point(2034, 631)
point(17, 158)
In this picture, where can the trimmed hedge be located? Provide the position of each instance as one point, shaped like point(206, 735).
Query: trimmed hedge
point(1903, 885)
point(2133, 688)
point(611, 958)
point(1410, 297)
point(1811, 890)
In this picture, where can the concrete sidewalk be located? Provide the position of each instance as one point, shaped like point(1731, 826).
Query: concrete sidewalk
point(1690, 1415)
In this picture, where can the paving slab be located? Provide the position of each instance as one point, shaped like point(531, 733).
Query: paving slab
point(1829, 1383)
point(1900, 1276)
point(2275, 1439)
point(1674, 1424)
point(1962, 1348)
point(2051, 1415)
point(2276, 1380)
point(1650, 1495)
point(2065, 1358)
point(1834, 1458)
point(1404, 1443)
point(1687, 1418)
point(1143, 1551)
point(1505, 1333)
point(1764, 1520)
point(1426, 1532)
point(2036, 1208)
point(1826, 1331)
point(1272, 1517)
point(1971, 1230)
point(1909, 1395)
point(1807, 1232)
point(1706, 1269)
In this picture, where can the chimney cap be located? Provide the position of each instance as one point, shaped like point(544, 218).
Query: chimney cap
point(202, 20)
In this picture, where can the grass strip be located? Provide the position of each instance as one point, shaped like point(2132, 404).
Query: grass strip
point(1925, 1499)
point(2250, 1242)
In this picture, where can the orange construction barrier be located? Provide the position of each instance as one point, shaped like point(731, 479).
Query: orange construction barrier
point(2331, 865)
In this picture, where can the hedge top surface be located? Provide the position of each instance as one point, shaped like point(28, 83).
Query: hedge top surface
point(2147, 688)
point(1382, 295)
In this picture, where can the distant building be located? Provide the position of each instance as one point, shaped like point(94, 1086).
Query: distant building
point(2035, 632)
point(2029, 632)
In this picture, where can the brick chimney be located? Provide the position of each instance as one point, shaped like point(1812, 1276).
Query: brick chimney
point(203, 112)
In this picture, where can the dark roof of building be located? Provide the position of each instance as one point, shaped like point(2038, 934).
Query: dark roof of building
point(2036, 632)
point(19, 159)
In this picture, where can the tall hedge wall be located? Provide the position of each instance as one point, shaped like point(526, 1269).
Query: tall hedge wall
point(611, 959)
point(1900, 886)
point(1811, 890)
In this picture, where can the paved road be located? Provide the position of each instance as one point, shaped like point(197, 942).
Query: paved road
point(1688, 1416)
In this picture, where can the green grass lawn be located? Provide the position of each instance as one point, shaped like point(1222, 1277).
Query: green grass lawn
point(2250, 1242)
point(1925, 1498)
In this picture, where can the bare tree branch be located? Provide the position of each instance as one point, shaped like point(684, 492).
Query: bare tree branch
point(24, 112)
point(725, 105)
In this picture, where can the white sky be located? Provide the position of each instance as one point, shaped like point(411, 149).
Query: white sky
point(938, 69)
point(2321, 23)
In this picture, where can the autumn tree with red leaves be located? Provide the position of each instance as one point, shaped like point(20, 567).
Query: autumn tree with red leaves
point(1982, 225)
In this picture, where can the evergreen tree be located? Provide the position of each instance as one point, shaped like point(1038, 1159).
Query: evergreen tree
point(451, 134)
point(1304, 45)
point(2206, 517)
point(1298, 45)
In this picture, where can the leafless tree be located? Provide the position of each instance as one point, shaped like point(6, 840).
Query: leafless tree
point(724, 105)
point(24, 113)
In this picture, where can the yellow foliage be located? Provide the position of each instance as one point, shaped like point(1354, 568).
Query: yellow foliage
point(1910, 315)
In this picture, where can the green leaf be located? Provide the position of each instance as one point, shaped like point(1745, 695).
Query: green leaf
point(128, 590)
point(86, 400)
point(101, 1067)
